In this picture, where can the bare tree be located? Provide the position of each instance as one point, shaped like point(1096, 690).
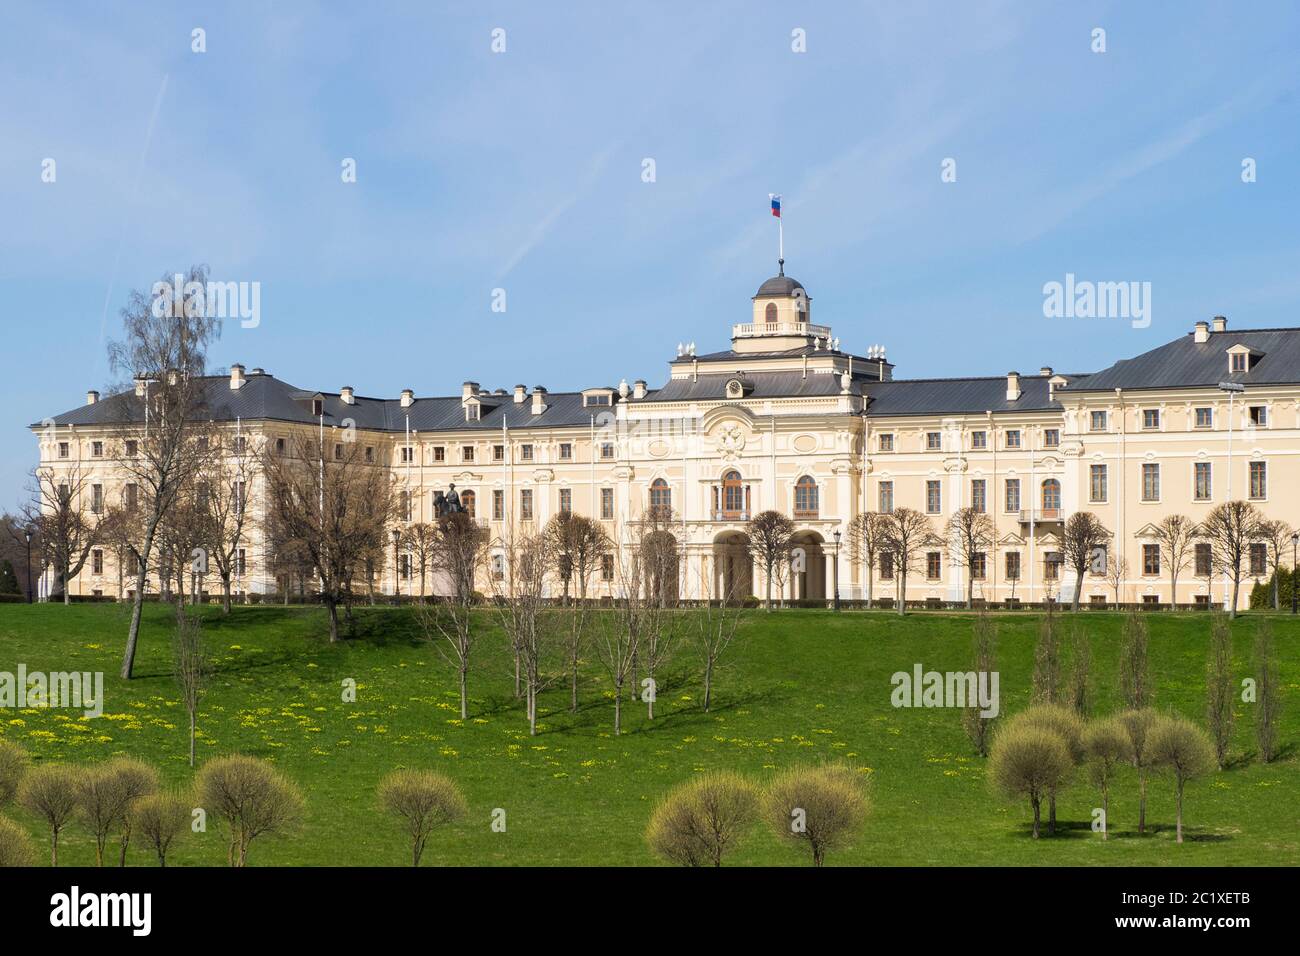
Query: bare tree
point(866, 541)
point(420, 541)
point(68, 513)
point(579, 544)
point(659, 556)
point(1175, 535)
point(1046, 682)
point(1135, 688)
point(1268, 703)
point(222, 506)
point(1081, 536)
point(823, 807)
point(906, 533)
point(160, 818)
point(190, 668)
point(1230, 528)
point(1106, 744)
point(334, 513)
point(120, 533)
point(1184, 750)
point(978, 726)
point(771, 536)
point(164, 348)
point(520, 598)
point(1276, 535)
point(1028, 761)
point(422, 800)
point(715, 626)
point(970, 536)
point(1116, 573)
point(49, 791)
point(459, 548)
point(252, 796)
point(1219, 688)
point(699, 821)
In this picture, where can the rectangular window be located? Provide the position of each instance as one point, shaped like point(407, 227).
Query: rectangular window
point(1151, 418)
point(439, 453)
point(370, 454)
point(96, 449)
point(1013, 565)
point(1259, 480)
point(566, 500)
point(933, 498)
point(498, 505)
point(566, 451)
point(979, 440)
point(1258, 558)
point(934, 441)
point(131, 498)
point(241, 444)
point(241, 562)
point(607, 503)
point(887, 565)
point(96, 498)
point(1150, 482)
point(63, 449)
point(607, 567)
point(338, 453)
point(97, 561)
point(1097, 484)
point(886, 497)
point(978, 565)
point(132, 447)
point(408, 453)
point(1013, 438)
point(1013, 495)
point(466, 452)
point(607, 449)
point(404, 566)
point(978, 498)
point(1150, 559)
point(933, 565)
point(525, 452)
point(1204, 560)
point(1052, 438)
point(1205, 418)
point(498, 452)
point(1238, 362)
point(526, 504)
point(886, 443)
point(1097, 422)
point(241, 495)
point(1258, 415)
point(1052, 565)
point(1204, 488)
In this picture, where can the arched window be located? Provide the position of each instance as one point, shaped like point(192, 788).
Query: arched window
point(467, 502)
point(805, 498)
point(661, 496)
point(770, 313)
point(1051, 496)
point(733, 494)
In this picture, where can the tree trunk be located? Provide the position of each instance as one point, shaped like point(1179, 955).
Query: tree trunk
point(708, 683)
point(225, 593)
point(54, 847)
point(1105, 814)
point(464, 685)
point(126, 840)
point(618, 709)
point(1236, 587)
point(133, 634)
point(1180, 812)
point(1078, 587)
point(333, 608)
point(1037, 802)
point(769, 590)
point(191, 738)
point(902, 594)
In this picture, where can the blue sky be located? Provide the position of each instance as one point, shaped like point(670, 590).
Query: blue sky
point(522, 170)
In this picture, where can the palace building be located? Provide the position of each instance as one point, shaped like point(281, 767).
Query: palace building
point(786, 418)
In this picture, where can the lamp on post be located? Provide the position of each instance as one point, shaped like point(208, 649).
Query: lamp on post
point(26, 535)
point(835, 572)
point(1295, 577)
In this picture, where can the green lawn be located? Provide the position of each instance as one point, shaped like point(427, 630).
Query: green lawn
point(801, 686)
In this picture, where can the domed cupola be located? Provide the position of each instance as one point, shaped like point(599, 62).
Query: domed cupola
point(782, 313)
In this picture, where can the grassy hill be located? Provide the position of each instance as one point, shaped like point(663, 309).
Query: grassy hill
point(801, 686)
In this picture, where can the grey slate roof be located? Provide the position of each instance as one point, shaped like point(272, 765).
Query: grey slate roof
point(955, 396)
point(765, 385)
point(1184, 362)
point(778, 285)
point(267, 397)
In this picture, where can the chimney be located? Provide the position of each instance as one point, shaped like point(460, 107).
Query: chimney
point(258, 371)
point(1220, 323)
point(1045, 371)
point(1202, 333)
point(345, 393)
point(92, 397)
point(408, 398)
point(1013, 386)
point(638, 388)
point(521, 392)
point(141, 383)
point(539, 399)
point(468, 390)
point(236, 376)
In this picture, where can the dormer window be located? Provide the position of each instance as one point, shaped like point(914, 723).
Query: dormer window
point(738, 388)
point(318, 407)
point(1238, 362)
point(597, 398)
point(472, 412)
point(1242, 358)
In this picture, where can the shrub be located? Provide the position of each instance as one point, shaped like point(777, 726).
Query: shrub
point(823, 806)
point(1028, 761)
point(1066, 724)
point(160, 818)
point(423, 800)
point(16, 847)
point(49, 791)
point(698, 822)
point(1182, 749)
point(104, 793)
point(252, 797)
point(13, 765)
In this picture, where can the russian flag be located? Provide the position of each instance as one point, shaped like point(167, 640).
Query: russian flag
point(776, 205)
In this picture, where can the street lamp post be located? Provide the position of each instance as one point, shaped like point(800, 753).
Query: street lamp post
point(26, 533)
point(1295, 576)
point(835, 572)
